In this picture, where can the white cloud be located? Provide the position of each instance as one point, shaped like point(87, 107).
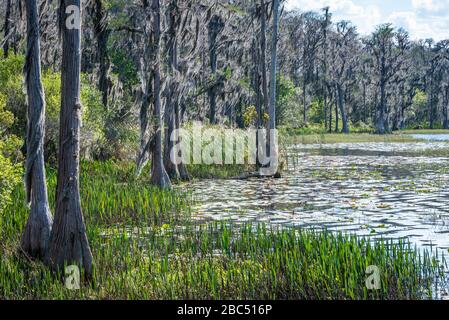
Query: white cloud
point(430, 5)
point(423, 19)
point(421, 27)
point(362, 17)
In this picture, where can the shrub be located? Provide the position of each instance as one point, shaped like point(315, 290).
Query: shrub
point(10, 165)
point(13, 92)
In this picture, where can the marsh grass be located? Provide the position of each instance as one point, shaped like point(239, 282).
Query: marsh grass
point(293, 137)
point(345, 138)
point(202, 171)
point(425, 131)
point(110, 195)
point(145, 246)
point(217, 261)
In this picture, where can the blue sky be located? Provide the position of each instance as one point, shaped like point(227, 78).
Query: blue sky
point(422, 18)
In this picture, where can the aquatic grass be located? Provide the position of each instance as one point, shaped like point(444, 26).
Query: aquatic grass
point(221, 261)
point(424, 131)
point(345, 138)
point(110, 195)
point(203, 171)
point(145, 246)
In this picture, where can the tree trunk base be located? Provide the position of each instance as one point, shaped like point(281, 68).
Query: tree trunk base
point(69, 246)
point(160, 178)
point(36, 235)
point(183, 173)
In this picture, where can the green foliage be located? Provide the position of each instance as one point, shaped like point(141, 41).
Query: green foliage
point(303, 129)
point(6, 118)
point(12, 90)
point(417, 115)
point(287, 101)
point(10, 167)
point(361, 127)
point(124, 67)
point(316, 111)
point(10, 177)
point(13, 96)
point(420, 99)
point(93, 114)
point(250, 117)
point(227, 72)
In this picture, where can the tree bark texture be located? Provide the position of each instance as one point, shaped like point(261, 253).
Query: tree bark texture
point(37, 230)
point(159, 176)
point(68, 242)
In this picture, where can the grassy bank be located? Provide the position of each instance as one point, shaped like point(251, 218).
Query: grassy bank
point(425, 131)
point(292, 137)
point(145, 246)
point(345, 138)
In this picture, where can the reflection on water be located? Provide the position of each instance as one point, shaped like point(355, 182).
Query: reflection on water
point(362, 188)
point(431, 137)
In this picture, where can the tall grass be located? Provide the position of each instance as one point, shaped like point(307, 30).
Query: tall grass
point(146, 247)
point(345, 138)
point(110, 195)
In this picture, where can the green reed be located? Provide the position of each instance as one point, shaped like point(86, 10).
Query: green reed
point(145, 246)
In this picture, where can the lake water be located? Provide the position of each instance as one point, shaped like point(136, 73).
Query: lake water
point(431, 137)
point(369, 189)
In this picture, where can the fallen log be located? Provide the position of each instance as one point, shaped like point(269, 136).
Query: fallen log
point(256, 174)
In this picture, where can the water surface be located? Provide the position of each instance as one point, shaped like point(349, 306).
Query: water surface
point(369, 189)
point(431, 137)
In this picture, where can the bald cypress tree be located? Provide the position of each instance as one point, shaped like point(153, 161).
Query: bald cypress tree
point(37, 230)
point(68, 241)
point(159, 176)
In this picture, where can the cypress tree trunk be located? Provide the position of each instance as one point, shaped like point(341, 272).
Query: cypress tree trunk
point(159, 176)
point(143, 155)
point(430, 107)
point(68, 241)
point(146, 82)
point(272, 148)
point(171, 101)
point(6, 28)
point(263, 50)
point(304, 100)
point(337, 125)
point(258, 98)
point(272, 107)
point(183, 172)
point(330, 110)
point(102, 36)
point(170, 167)
point(380, 118)
point(37, 230)
point(324, 84)
point(341, 105)
point(214, 29)
point(446, 109)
